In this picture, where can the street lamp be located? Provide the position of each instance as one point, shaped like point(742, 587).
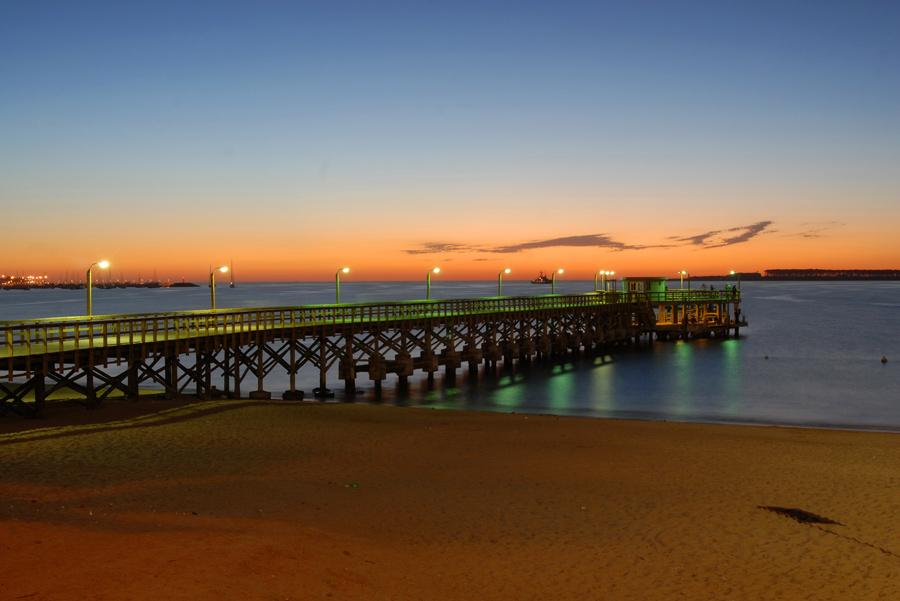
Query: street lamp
point(89, 284)
point(681, 275)
point(506, 271)
point(603, 283)
point(734, 273)
point(212, 285)
point(435, 271)
point(337, 283)
point(559, 271)
point(608, 282)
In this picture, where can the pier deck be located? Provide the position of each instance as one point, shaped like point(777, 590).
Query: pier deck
point(189, 350)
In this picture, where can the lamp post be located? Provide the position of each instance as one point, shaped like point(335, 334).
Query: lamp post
point(506, 271)
point(681, 275)
point(559, 271)
point(604, 285)
point(608, 282)
point(212, 285)
point(89, 284)
point(734, 273)
point(435, 271)
point(337, 284)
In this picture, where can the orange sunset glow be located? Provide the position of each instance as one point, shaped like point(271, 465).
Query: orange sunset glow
point(266, 250)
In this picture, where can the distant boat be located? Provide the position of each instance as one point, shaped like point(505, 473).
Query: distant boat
point(183, 284)
point(542, 279)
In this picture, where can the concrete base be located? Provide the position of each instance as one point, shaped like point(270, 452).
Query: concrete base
point(292, 395)
point(260, 395)
point(321, 393)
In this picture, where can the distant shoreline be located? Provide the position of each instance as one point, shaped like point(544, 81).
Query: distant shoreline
point(805, 275)
point(768, 275)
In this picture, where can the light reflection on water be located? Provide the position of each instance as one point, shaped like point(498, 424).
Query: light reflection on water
point(810, 356)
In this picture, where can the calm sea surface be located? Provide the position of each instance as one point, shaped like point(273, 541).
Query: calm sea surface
point(811, 355)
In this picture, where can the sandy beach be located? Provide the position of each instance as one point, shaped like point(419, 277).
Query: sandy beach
point(241, 500)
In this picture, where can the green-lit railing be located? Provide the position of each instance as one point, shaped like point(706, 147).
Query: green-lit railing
point(61, 334)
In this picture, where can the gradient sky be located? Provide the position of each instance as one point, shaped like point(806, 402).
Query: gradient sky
point(296, 137)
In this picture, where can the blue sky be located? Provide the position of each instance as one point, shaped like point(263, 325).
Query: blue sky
point(316, 112)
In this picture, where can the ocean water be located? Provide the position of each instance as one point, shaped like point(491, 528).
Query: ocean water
point(811, 355)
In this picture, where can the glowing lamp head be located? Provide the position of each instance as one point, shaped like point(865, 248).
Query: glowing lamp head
point(104, 264)
point(612, 273)
point(507, 271)
point(732, 272)
point(436, 270)
point(682, 272)
point(560, 271)
point(223, 269)
point(345, 270)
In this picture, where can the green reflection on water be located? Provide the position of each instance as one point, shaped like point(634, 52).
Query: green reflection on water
point(732, 380)
point(508, 393)
point(683, 377)
point(603, 397)
point(560, 386)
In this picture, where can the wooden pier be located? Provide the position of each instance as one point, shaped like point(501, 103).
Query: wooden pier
point(230, 352)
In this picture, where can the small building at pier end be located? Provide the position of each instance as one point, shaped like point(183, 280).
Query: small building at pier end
point(644, 284)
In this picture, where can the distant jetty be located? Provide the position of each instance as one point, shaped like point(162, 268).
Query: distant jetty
point(43, 283)
point(808, 275)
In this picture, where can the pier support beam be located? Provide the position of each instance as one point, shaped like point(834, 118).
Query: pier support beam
point(260, 394)
point(40, 390)
point(134, 392)
point(292, 394)
point(322, 392)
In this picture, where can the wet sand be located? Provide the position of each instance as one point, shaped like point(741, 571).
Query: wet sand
point(226, 500)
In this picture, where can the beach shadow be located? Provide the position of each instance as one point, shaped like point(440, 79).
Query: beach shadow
point(180, 413)
point(801, 516)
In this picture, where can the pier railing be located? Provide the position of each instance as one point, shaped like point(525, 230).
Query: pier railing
point(62, 334)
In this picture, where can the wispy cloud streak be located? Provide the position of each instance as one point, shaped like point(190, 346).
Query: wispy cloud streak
point(589, 240)
point(440, 247)
point(710, 239)
point(726, 237)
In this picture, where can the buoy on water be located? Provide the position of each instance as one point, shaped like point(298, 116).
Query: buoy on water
point(883, 359)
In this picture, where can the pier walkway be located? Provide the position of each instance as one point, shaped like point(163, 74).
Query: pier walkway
point(188, 351)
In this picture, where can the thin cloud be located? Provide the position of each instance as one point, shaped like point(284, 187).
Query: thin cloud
point(698, 239)
point(747, 232)
point(816, 229)
point(429, 248)
point(585, 240)
point(709, 239)
point(720, 238)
